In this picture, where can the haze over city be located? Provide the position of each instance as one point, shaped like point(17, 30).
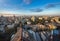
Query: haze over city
point(29, 20)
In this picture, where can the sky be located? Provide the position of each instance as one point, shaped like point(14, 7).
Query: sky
point(27, 7)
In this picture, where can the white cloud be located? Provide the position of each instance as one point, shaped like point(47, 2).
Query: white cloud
point(27, 1)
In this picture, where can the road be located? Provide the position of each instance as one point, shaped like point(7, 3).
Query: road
point(17, 36)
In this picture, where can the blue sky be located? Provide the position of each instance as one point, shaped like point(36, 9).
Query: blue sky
point(30, 6)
